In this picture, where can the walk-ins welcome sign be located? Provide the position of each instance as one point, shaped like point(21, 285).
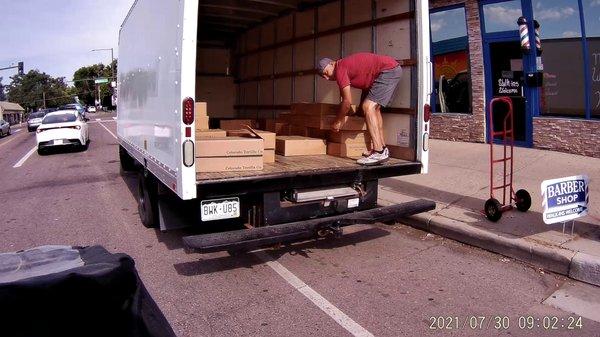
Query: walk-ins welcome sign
point(565, 199)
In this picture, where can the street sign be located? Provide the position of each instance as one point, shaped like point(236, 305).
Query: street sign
point(101, 80)
point(565, 199)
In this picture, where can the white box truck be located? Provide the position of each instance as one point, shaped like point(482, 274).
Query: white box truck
point(253, 59)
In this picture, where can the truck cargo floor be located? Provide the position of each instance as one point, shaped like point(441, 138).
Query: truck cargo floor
point(304, 165)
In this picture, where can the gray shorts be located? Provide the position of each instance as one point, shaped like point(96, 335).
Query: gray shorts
point(382, 90)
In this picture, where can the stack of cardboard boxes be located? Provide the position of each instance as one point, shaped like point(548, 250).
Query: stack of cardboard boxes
point(267, 137)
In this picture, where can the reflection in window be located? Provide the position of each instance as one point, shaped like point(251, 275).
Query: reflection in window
point(563, 92)
point(502, 16)
point(591, 10)
point(450, 61)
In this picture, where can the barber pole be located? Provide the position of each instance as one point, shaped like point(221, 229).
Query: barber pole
point(538, 42)
point(524, 33)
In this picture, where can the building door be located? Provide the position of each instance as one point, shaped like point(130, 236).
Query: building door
point(505, 69)
point(504, 64)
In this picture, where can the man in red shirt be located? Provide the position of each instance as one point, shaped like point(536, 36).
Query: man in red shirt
point(377, 76)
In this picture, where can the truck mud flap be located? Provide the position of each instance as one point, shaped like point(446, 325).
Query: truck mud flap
point(248, 239)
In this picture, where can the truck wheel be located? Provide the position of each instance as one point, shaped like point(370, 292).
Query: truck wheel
point(493, 209)
point(523, 200)
point(127, 162)
point(148, 199)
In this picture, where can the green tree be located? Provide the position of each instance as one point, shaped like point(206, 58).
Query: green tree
point(84, 82)
point(30, 89)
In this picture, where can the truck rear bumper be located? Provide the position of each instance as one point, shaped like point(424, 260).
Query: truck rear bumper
point(248, 239)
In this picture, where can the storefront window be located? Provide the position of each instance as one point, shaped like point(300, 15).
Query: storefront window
point(563, 92)
point(591, 10)
point(502, 16)
point(450, 50)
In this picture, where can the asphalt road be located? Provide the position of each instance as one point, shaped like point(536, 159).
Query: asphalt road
point(376, 280)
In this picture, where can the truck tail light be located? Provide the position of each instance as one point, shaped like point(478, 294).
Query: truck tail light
point(426, 112)
point(188, 111)
point(188, 153)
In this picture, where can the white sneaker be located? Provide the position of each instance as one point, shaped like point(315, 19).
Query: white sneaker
point(375, 158)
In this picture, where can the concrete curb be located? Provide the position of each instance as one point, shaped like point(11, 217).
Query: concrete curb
point(576, 265)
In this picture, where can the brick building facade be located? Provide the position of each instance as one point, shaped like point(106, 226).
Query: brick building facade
point(547, 122)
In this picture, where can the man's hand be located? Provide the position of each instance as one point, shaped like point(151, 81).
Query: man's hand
point(337, 125)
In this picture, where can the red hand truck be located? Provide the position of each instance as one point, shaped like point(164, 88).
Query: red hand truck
point(493, 209)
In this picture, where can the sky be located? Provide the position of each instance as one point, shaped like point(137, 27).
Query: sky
point(57, 36)
point(558, 19)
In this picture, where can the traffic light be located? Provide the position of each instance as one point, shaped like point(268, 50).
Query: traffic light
point(20, 68)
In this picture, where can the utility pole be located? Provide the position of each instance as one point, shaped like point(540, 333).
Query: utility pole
point(44, 97)
point(112, 70)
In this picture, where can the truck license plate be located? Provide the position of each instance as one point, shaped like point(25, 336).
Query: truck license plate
point(220, 209)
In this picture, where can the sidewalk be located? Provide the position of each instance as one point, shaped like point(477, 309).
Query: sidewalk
point(459, 183)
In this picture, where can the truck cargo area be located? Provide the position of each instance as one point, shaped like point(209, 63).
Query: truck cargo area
point(254, 65)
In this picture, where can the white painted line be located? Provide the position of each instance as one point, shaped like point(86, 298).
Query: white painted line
point(321, 302)
point(17, 130)
point(98, 119)
point(115, 118)
point(25, 157)
point(112, 134)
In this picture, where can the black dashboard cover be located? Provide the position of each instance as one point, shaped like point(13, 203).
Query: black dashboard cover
point(97, 294)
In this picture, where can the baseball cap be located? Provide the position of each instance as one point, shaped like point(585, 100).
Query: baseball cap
point(323, 63)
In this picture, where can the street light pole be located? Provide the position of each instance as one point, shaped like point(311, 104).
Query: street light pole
point(112, 59)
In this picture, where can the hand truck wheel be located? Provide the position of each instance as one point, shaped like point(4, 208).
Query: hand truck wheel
point(522, 200)
point(493, 209)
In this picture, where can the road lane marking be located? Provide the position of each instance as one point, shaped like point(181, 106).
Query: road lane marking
point(25, 157)
point(17, 130)
point(98, 119)
point(115, 118)
point(321, 302)
point(112, 134)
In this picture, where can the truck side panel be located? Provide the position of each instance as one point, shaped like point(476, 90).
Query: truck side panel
point(151, 87)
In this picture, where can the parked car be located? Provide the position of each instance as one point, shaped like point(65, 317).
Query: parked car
point(62, 128)
point(4, 128)
point(34, 120)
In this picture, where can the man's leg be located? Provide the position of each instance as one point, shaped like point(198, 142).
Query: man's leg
point(374, 123)
point(380, 122)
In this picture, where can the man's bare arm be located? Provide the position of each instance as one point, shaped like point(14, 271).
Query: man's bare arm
point(346, 103)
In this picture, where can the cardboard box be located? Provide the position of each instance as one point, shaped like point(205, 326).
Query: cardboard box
point(224, 164)
point(229, 147)
point(284, 117)
point(399, 152)
point(346, 150)
point(297, 130)
point(268, 137)
point(211, 133)
point(281, 129)
point(300, 146)
point(201, 122)
point(351, 123)
point(236, 124)
point(350, 137)
point(317, 133)
point(201, 109)
point(317, 109)
point(269, 156)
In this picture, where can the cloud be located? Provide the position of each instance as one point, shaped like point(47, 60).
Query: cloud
point(502, 15)
point(556, 13)
point(570, 33)
point(438, 24)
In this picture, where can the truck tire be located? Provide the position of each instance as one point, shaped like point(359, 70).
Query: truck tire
point(148, 199)
point(127, 161)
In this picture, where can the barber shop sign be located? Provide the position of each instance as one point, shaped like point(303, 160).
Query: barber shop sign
point(565, 199)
